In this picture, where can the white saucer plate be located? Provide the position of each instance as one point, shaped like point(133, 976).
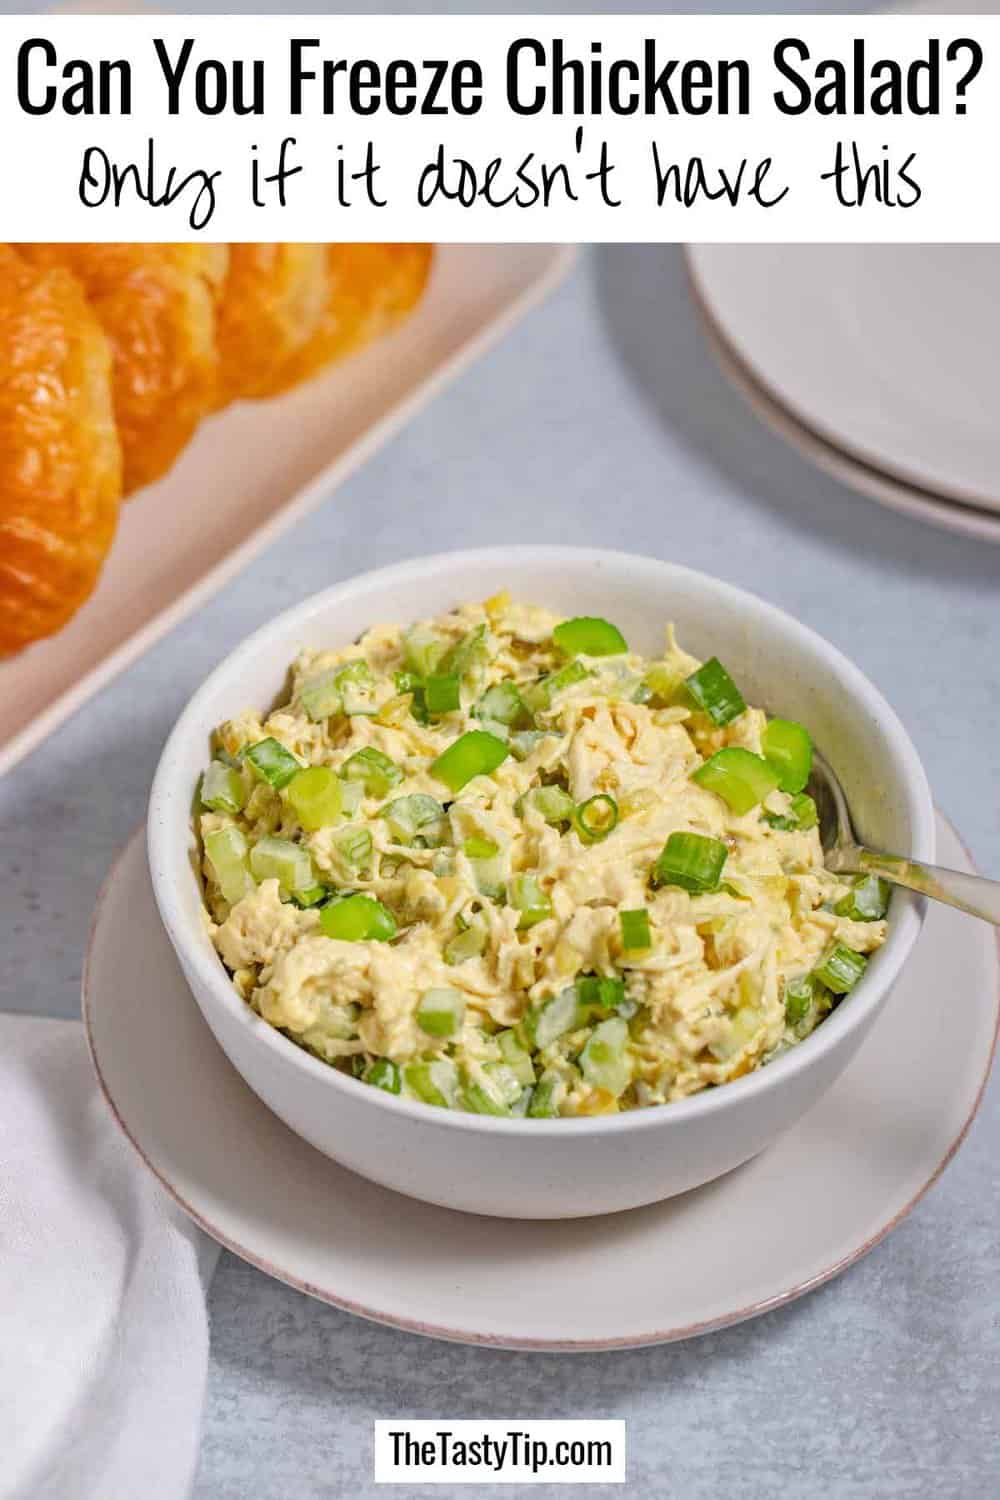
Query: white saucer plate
point(967, 520)
point(890, 352)
point(797, 1215)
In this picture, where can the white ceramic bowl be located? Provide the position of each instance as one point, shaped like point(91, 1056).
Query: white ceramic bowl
point(554, 1168)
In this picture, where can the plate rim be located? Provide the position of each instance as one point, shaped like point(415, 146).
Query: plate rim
point(859, 474)
point(300, 503)
point(500, 1341)
point(858, 455)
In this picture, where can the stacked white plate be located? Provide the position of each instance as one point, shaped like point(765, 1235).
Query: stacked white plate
point(881, 363)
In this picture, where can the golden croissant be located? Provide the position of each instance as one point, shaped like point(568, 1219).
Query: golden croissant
point(111, 356)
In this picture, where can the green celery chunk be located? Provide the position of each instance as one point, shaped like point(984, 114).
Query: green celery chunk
point(739, 777)
point(502, 704)
point(441, 695)
point(316, 796)
point(588, 635)
point(496, 1092)
point(479, 848)
point(373, 770)
point(416, 816)
point(469, 943)
point(273, 763)
point(354, 846)
point(691, 861)
point(526, 895)
point(801, 816)
point(384, 1075)
point(600, 990)
point(358, 919)
point(603, 1061)
point(313, 895)
point(440, 1012)
point(868, 901)
point(227, 850)
point(552, 802)
point(222, 788)
point(475, 753)
point(524, 741)
point(516, 1057)
point(466, 653)
point(423, 650)
point(435, 1082)
point(547, 1097)
point(635, 929)
point(556, 1017)
point(273, 858)
point(663, 684)
point(320, 696)
point(788, 748)
point(715, 692)
point(840, 968)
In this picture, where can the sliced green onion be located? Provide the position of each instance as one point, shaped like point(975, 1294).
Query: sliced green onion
point(691, 861)
point(374, 770)
point(596, 818)
point(384, 1074)
point(222, 788)
point(441, 695)
point(226, 849)
point(468, 943)
point(478, 848)
point(840, 968)
point(539, 695)
point(787, 746)
point(473, 754)
point(526, 896)
point(868, 901)
point(501, 704)
point(554, 804)
point(423, 650)
point(603, 1061)
point(358, 919)
point(413, 816)
point(354, 845)
point(466, 653)
point(277, 859)
point(273, 763)
point(801, 816)
point(316, 795)
point(434, 1082)
point(557, 1016)
point(715, 692)
point(589, 636)
point(516, 1057)
point(739, 777)
point(311, 896)
point(600, 990)
point(441, 1012)
point(799, 996)
point(635, 929)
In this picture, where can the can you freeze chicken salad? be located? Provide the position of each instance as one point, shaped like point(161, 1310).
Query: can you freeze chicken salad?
point(499, 862)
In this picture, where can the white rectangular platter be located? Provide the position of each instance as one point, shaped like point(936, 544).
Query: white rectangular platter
point(254, 470)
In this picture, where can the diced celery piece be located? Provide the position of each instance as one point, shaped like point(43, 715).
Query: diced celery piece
point(603, 1061)
point(319, 695)
point(600, 990)
point(273, 858)
point(868, 901)
point(226, 849)
point(272, 762)
point(524, 741)
point(477, 1100)
point(354, 845)
point(526, 895)
point(384, 1074)
point(502, 704)
point(222, 788)
point(358, 919)
point(466, 653)
point(312, 896)
point(557, 1016)
point(416, 815)
point(423, 650)
point(466, 944)
point(516, 1058)
point(553, 803)
point(316, 796)
point(799, 995)
point(435, 1082)
point(440, 1012)
point(547, 1097)
point(840, 968)
point(480, 848)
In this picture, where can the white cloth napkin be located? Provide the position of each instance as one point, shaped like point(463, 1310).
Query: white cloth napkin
point(103, 1323)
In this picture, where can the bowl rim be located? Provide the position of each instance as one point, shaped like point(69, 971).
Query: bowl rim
point(167, 798)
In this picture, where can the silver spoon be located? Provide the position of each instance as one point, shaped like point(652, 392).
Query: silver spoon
point(845, 855)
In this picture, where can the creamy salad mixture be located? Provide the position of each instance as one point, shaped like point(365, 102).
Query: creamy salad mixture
point(500, 862)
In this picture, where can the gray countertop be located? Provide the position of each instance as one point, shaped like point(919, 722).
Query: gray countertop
point(601, 420)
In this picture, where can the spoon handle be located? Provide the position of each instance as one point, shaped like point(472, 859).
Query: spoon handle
point(971, 893)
